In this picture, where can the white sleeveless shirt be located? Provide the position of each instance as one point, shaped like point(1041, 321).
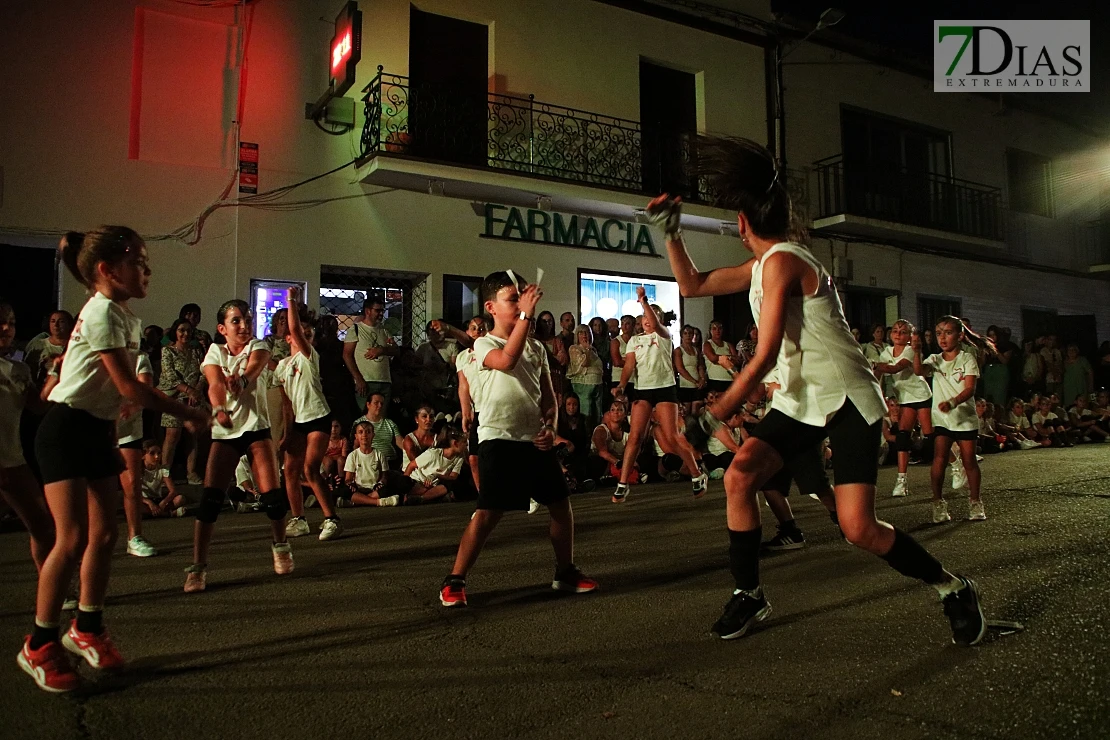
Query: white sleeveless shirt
point(622, 344)
point(820, 364)
point(690, 362)
point(713, 371)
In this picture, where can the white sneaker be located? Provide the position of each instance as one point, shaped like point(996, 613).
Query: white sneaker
point(978, 458)
point(297, 526)
point(717, 474)
point(178, 512)
point(283, 557)
point(900, 488)
point(390, 501)
point(700, 484)
point(533, 506)
point(940, 512)
point(959, 477)
point(976, 512)
point(1028, 444)
point(310, 501)
point(330, 529)
point(140, 548)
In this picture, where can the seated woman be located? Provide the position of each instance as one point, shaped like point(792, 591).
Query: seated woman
point(572, 440)
point(423, 438)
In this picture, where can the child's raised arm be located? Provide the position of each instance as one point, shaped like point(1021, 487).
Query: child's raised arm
point(298, 341)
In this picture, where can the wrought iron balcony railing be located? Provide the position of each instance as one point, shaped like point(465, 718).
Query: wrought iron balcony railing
point(912, 198)
point(524, 135)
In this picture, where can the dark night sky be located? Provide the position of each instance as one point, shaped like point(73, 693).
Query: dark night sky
point(908, 29)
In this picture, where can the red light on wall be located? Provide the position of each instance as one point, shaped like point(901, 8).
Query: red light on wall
point(346, 49)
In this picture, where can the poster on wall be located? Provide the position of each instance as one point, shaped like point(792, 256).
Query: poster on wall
point(267, 298)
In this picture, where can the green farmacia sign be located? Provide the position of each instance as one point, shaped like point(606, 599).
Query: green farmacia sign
point(544, 227)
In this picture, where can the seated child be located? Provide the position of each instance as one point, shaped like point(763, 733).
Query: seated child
point(437, 468)
point(607, 445)
point(1085, 421)
point(159, 494)
point(1015, 426)
point(990, 441)
point(1102, 410)
point(723, 446)
point(1049, 425)
point(244, 496)
point(368, 476)
point(387, 436)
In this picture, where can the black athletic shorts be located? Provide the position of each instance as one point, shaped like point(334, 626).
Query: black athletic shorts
point(72, 443)
point(654, 396)
point(243, 442)
point(854, 442)
point(690, 395)
point(926, 404)
point(956, 436)
point(718, 386)
point(513, 472)
point(806, 469)
point(135, 444)
point(305, 428)
point(472, 438)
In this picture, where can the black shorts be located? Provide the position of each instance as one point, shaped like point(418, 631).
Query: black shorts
point(654, 396)
point(926, 404)
point(806, 469)
point(513, 472)
point(135, 444)
point(855, 443)
point(690, 395)
point(72, 444)
point(472, 438)
point(305, 428)
point(955, 436)
point(243, 442)
point(718, 386)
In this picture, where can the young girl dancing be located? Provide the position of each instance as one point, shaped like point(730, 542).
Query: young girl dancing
point(913, 394)
point(650, 357)
point(517, 436)
point(827, 386)
point(18, 485)
point(954, 372)
point(77, 453)
point(306, 435)
point(130, 431)
point(233, 370)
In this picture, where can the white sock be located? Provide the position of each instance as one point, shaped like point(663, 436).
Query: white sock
point(756, 593)
point(950, 586)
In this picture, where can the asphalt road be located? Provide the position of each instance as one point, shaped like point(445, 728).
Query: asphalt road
point(355, 643)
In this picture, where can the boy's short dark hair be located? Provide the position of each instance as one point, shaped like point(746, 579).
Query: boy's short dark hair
point(150, 444)
point(371, 396)
point(368, 425)
point(493, 284)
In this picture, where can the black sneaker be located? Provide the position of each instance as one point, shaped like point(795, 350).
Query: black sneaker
point(741, 612)
point(786, 539)
point(966, 615)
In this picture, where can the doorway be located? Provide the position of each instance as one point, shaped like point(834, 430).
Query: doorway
point(668, 126)
point(448, 78)
point(32, 289)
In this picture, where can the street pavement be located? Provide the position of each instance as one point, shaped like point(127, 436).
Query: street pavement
point(355, 644)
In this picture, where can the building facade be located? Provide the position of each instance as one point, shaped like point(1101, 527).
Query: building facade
point(495, 134)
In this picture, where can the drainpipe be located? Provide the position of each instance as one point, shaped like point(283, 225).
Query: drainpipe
point(780, 108)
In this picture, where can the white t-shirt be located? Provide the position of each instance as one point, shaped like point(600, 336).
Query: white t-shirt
point(131, 428)
point(15, 379)
point(249, 412)
point(613, 445)
point(364, 337)
point(466, 362)
point(820, 363)
point(432, 465)
point(690, 362)
point(367, 467)
point(948, 382)
point(299, 375)
point(154, 483)
point(511, 400)
point(716, 446)
point(1019, 421)
point(243, 472)
point(622, 348)
point(85, 383)
point(713, 371)
point(653, 361)
point(908, 385)
point(38, 352)
point(1039, 418)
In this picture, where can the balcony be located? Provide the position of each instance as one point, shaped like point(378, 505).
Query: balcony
point(521, 136)
point(916, 208)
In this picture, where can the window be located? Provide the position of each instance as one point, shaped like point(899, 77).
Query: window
point(612, 295)
point(462, 299)
point(1030, 181)
point(930, 308)
point(873, 141)
point(267, 298)
point(404, 294)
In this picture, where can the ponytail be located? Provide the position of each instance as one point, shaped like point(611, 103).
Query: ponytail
point(69, 249)
point(81, 253)
point(980, 342)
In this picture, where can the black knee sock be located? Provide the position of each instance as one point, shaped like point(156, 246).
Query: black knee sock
point(743, 557)
point(43, 635)
point(90, 621)
point(791, 526)
point(911, 559)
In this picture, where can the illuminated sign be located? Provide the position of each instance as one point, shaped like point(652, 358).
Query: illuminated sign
point(346, 49)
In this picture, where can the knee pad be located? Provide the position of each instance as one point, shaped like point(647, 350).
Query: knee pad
point(902, 440)
point(210, 504)
point(275, 504)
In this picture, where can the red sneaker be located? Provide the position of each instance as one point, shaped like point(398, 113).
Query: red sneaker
point(98, 650)
point(453, 592)
point(574, 581)
point(49, 666)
